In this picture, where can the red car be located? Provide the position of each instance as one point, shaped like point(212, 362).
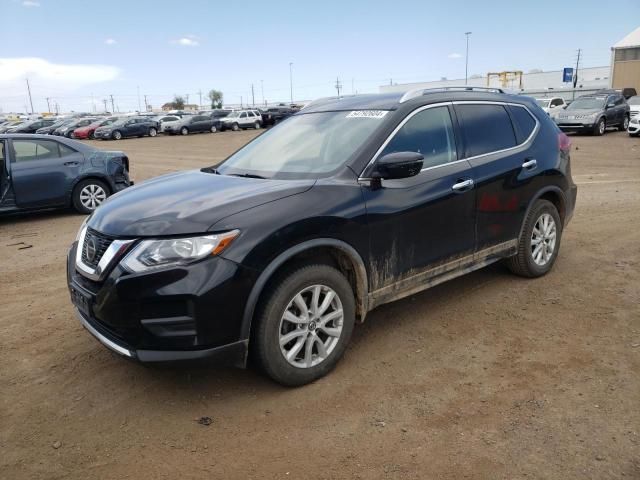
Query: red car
point(88, 131)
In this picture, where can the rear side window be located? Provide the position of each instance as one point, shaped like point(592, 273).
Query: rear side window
point(487, 128)
point(524, 123)
point(27, 150)
point(429, 132)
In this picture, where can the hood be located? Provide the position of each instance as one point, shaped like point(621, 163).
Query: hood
point(186, 203)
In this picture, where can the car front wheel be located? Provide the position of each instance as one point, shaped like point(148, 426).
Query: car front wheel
point(117, 135)
point(539, 241)
point(153, 132)
point(213, 129)
point(89, 195)
point(600, 127)
point(303, 324)
point(256, 125)
point(235, 127)
point(624, 125)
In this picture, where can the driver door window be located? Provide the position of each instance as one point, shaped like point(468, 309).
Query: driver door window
point(429, 132)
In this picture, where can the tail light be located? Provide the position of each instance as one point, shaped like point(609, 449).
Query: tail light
point(564, 142)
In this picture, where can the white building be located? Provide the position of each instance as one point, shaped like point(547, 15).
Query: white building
point(625, 62)
point(537, 83)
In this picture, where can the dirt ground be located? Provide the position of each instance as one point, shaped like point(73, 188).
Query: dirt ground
point(489, 376)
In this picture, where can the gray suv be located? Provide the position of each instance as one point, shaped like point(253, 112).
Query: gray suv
point(595, 113)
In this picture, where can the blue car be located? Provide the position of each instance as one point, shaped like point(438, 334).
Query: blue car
point(41, 172)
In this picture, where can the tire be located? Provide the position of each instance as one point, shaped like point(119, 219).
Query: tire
point(624, 125)
point(184, 131)
point(86, 191)
point(271, 325)
point(525, 263)
point(116, 135)
point(153, 132)
point(92, 136)
point(600, 127)
point(235, 127)
point(213, 129)
point(69, 134)
point(256, 125)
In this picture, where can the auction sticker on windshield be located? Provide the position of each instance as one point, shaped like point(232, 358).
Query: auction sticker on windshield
point(367, 114)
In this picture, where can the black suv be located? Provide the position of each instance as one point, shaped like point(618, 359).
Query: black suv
point(275, 115)
point(34, 125)
point(349, 204)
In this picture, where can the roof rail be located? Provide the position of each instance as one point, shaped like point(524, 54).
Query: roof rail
point(422, 91)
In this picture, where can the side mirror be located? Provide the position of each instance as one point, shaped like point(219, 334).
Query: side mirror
point(399, 165)
point(610, 105)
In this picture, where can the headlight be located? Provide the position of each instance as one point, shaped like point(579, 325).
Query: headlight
point(634, 120)
point(150, 254)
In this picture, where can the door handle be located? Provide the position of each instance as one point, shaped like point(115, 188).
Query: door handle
point(462, 186)
point(530, 164)
point(71, 164)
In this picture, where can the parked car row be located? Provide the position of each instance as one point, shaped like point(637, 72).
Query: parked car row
point(178, 123)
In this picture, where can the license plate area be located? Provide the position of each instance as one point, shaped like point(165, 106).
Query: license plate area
point(81, 301)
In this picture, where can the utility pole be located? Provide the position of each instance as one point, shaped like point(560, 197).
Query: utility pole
point(48, 105)
point(104, 100)
point(338, 85)
point(466, 60)
point(240, 101)
point(113, 107)
point(139, 106)
point(353, 90)
point(262, 90)
point(200, 97)
point(187, 95)
point(575, 75)
point(146, 105)
point(291, 80)
point(391, 82)
point(30, 100)
point(253, 98)
point(57, 108)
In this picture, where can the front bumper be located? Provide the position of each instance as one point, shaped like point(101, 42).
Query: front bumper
point(634, 128)
point(573, 126)
point(103, 135)
point(184, 313)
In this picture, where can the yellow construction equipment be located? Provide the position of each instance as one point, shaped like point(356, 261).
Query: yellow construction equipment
point(506, 77)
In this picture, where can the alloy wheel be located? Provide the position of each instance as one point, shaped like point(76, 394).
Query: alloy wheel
point(543, 239)
point(311, 326)
point(601, 127)
point(92, 195)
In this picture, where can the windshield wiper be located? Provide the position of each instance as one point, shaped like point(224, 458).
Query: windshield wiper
point(247, 175)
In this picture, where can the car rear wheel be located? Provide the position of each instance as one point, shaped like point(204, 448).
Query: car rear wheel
point(235, 127)
point(153, 132)
point(184, 131)
point(600, 127)
point(89, 195)
point(303, 324)
point(539, 241)
point(117, 135)
point(624, 125)
point(213, 129)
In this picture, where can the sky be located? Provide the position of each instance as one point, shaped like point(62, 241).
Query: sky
point(78, 53)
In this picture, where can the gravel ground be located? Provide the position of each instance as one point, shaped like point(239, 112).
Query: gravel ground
point(487, 376)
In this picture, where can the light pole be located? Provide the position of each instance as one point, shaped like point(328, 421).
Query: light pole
point(466, 61)
point(291, 80)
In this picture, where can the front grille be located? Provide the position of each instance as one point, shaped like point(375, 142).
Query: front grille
point(95, 244)
point(634, 114)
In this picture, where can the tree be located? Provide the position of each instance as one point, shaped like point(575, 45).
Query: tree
point(216, 98)
point(178, 102)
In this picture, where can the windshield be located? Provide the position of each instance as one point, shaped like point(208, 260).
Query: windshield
point(634, 100)
point(587, 103)
point(305, 146)
point(543, 102)
point(233, 115)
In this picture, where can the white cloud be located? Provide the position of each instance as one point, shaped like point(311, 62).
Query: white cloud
point(30, 3)
point(454, 55)
point(110, 41)
point(13, 71)
point(187, 41)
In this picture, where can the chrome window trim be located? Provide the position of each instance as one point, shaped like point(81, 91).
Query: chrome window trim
point(458, 102)
point(97, 274)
